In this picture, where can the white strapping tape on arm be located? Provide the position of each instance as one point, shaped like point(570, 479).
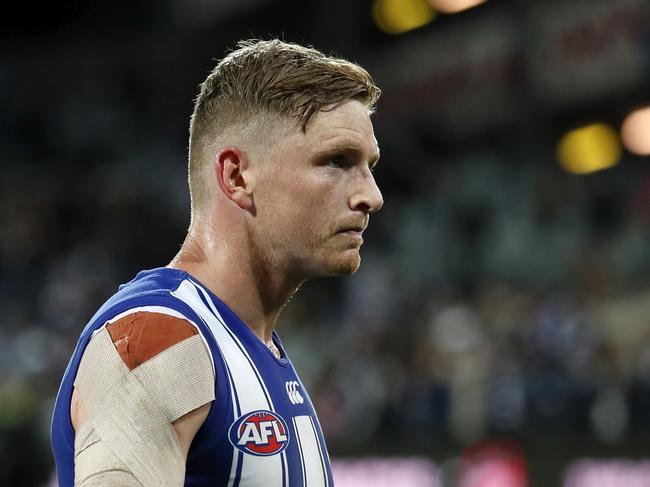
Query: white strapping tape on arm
point(96, 465)
point(131, 411)
point(180, 379)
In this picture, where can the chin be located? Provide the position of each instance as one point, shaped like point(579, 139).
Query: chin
point(344, 265)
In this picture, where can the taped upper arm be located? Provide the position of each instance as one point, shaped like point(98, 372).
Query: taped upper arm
point(146, 382)
point(168, 356)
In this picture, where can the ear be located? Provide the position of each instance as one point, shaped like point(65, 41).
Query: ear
point(232, 168)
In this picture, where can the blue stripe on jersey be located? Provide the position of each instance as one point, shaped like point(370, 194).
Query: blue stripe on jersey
point(284, 471)
point(234, 393)
point(238, 413)
point(240, 464)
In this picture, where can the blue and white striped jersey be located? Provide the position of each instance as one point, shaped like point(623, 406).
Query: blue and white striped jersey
point(262, 428)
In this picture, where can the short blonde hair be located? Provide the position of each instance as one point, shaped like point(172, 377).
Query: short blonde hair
point(270, 78)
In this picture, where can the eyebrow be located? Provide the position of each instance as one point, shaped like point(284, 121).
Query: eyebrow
point(349, 148)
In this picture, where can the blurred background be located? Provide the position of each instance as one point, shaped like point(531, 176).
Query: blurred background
point(498, 332)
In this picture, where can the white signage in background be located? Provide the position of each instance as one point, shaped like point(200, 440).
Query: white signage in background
point(585, 48)
point(609, 473)
point(385, 472)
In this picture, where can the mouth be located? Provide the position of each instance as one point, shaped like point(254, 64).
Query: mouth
point(353, 232)
point(353, 229)
point(354, 226)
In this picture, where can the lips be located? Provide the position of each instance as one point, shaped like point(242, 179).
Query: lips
point(354, 233)
point(353, 227)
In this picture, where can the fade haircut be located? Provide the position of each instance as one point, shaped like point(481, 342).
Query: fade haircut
point(261, 82)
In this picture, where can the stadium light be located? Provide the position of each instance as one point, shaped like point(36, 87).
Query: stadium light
point(399, 16)
point(453, 6)
point(589, 149)
point(635, 132)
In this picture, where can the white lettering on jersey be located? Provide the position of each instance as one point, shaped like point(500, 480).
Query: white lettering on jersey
point(259, 433)
point(250, 434)
point(279, 436)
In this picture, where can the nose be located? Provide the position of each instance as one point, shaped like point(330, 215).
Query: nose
point(367, 198)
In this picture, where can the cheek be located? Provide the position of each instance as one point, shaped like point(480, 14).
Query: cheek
point(300, 206)
point(288, 213)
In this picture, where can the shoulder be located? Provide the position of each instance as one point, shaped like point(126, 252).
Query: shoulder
point(160, 355)
point(141, 335)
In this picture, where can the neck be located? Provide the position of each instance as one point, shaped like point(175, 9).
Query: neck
point(235, 272)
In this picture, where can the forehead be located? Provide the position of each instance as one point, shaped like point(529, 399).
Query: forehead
point(347, 125)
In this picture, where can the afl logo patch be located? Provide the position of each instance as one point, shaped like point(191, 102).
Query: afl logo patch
point(261, 433)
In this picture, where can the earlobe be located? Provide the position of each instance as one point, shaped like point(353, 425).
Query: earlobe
point(233, 176)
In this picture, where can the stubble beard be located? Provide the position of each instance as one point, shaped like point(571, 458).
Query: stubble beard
point(320, 257)
point(346, 266)
point(336, 261)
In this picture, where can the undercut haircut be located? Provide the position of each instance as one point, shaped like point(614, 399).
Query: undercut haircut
point(261, 82)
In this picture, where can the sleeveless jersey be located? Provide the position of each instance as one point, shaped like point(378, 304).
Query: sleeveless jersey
point(261, 429)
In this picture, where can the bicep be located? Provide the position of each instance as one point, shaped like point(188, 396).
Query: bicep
point(187, 426)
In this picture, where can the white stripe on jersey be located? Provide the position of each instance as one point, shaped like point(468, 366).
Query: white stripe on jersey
point(302, 458)
point(238, 344)
point(320, 451)
point(247, 387)
point(313, 468)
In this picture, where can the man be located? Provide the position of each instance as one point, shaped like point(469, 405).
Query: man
point(180, 378)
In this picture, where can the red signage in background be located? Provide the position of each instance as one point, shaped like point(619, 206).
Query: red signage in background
point(493, 464)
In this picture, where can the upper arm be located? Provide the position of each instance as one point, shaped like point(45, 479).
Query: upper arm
point(185, 427)
point(145, 384)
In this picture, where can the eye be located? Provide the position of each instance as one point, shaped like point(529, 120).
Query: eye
point(340, 162)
